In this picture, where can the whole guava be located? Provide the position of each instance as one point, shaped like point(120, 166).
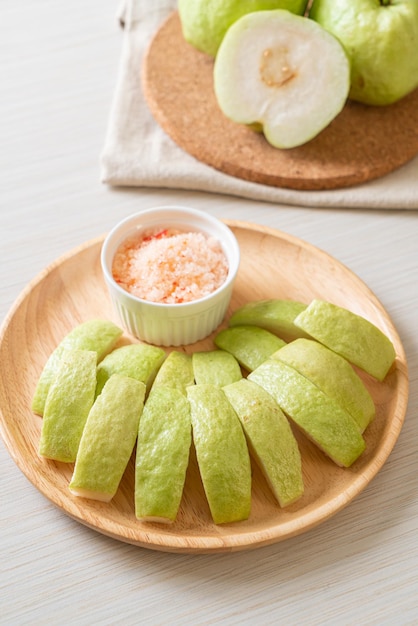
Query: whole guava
point(381, 41)
point(205, 22)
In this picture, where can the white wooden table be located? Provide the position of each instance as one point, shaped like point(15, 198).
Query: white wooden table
point(58, 68)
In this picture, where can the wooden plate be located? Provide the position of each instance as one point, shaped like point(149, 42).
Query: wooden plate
point(361, 144)
point(274, 265)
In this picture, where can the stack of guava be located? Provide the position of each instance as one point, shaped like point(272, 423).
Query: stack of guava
point(287, 67)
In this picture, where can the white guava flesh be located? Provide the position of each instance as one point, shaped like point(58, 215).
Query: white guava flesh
point(282, 72)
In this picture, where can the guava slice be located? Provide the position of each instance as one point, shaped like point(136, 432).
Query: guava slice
point(176, 372)
point(108, 439)
point(215, 367)
point(276, 316)
point(97, 335)
point(271, 439)
point(137, 360)
point(162, 455)
point(324, 421)
point(282, 72)
point(349, 335)
point(204, 23)
point(250, 345)
point(222, 454)
point(69, 400)
point(333, 374)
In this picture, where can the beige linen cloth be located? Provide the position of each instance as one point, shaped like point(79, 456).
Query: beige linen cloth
point(137, 152)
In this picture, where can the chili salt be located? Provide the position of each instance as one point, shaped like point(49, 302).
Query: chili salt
point(170, 266)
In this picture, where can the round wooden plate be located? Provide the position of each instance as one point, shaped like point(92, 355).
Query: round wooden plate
point(274, 265)
point(361, 144)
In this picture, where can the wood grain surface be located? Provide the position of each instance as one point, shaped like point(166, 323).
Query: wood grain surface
point(362, 143)
point(72, 290)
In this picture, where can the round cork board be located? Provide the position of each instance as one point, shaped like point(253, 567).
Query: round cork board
point(362, 143)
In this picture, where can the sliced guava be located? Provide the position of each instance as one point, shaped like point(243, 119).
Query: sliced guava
point(162, 455)
point(250, 345)
point(222, 454)
point(271, 439)
point(96, 335)
point(350, 335)
point(108, 439)
point(176, 372)
point(333, 374)
point(324, 421)
point(215, 367)
point(274, 315)
point(137, 360)
point(69, 400)
point(282, 72)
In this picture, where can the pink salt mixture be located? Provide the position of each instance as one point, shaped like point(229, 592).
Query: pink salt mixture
point(170, 266)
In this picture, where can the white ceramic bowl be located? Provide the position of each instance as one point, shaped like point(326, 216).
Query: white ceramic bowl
point(171, 324)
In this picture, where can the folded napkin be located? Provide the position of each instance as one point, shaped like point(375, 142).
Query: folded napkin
point(137, 152)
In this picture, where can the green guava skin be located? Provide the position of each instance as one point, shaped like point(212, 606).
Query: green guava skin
point(97, 335)
point(349, 335)
point(162, 454)
point(250, 345)
point(137, 360)
point(331, 373)
point(67, 406)
point(324, 421)
point(108, 439)
point(176, 372)
point(276, 316)
point(215, 367)
point(381, 41)
point(204, 23)
point(222, 454)
point(271, 439)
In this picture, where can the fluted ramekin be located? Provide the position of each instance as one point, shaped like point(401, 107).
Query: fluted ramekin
point(171, 324)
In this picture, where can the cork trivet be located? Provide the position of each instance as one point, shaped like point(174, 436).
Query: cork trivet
point(362, 143)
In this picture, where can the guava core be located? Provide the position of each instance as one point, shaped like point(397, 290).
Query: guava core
point(283, 73)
